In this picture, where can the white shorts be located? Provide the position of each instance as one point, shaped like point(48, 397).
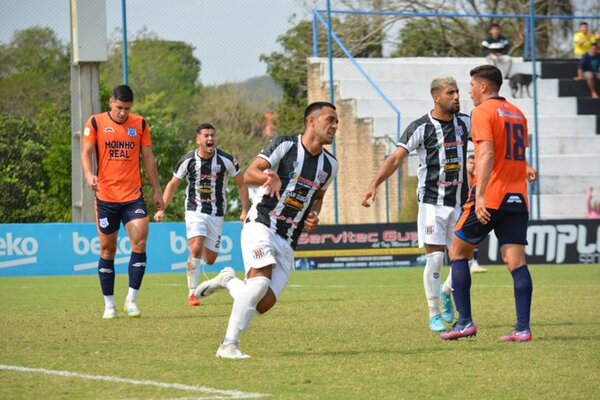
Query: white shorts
point(261, 247)
point(209, 226)
point(435, 224)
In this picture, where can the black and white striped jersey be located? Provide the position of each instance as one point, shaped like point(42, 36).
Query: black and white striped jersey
point(206, 181)
point(302, 177)
point(442, 150)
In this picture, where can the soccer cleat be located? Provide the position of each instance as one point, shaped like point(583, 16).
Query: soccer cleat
point(517, 336)
point(447, 308)
point(132, 309)
point(477, 269)
point(210, 286)
point(436, 324)
point(110, 313)
point(231, 351)
point(460, 332)
point(193, 301)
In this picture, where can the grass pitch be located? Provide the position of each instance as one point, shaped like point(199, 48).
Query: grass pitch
point(358, 334)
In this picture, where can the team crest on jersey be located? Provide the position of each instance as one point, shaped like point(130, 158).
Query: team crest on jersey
point(322, 176)
point(86, 132)
point(258, 253)
point(103, 222)
point(215, 169)
point(132, 132)
point(500, 112)
point(429, 229)
point(459, 131)
point(109, 129)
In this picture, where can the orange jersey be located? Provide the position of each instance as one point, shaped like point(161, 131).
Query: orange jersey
point(503, 123)
point(118, 150)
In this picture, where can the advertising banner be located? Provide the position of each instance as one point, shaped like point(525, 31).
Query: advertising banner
point(360, 246)
point(74, 249)
point(553, 242)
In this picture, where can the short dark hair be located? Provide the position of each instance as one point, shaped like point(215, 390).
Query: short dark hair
point(494, 26)
point(316, 106)
point(123, 93)
point(204, 125)
point(488, 73)
point(583, 23)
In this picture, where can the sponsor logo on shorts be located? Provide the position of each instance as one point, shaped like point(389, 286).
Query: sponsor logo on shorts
point(514, 199)
point(429, 229)
point(109, 129)
point(103, 222)
point(436, 275)
point(258, 253)
point(132, 132)
point(139, 211)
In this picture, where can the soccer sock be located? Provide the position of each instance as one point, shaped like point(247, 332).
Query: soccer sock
point(106, 272)
point(132, 294)
point(432, 281)
point(235, 286)
point(193, 274)
point(244, 307)
point(137, 268)
point(523, 295)
point(447, 286)
point(476, 255)
point(461, 281)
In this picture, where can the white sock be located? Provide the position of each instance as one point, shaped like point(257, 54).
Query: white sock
point(193, 274)
point(235, 286)
point(432, 281)
point(132, 295)
point(109, 301)
point(244, 307)
point(447, 287)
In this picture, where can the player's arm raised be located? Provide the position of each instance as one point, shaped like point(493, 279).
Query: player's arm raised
point(167, 196)
point(259, 174)
point(387, 169)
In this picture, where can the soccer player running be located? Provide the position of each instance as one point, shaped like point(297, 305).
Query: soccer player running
point(119, 139)
point(207, 169)
point(293, 172)
point(498, 202)
point(440, 138)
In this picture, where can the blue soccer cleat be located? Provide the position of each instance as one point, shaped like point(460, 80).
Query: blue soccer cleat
point(436, 324)
point(460, 331)
point(447, 308)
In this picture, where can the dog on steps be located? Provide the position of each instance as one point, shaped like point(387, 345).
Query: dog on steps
point(518, 82)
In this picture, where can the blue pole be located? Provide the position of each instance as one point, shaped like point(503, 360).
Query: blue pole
point(535, 108)
point(125, 62)
point(315, 32)
point(332, 101)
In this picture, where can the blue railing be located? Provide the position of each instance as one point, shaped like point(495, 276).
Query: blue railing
point(530, 53)
point(332, 35)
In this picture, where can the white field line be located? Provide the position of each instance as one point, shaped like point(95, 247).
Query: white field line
point(230, 394)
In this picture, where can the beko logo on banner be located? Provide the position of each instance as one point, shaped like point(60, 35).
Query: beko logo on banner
point(24, 247)
point(552, 241)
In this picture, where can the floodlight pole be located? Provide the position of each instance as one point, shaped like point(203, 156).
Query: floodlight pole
point(125, 59)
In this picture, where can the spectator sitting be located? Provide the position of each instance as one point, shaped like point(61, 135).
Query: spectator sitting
point(495, 49)
point(593, 208)
point(589, 68)
point(583, 40)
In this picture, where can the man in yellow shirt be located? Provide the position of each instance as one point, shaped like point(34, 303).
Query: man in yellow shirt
point(583, 40)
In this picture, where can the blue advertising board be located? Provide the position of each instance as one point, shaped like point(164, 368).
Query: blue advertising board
point(74, 249)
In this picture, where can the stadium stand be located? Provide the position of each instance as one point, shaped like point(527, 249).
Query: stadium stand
point(569, 126)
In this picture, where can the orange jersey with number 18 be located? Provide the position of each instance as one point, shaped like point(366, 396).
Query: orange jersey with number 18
point(118, 148)
point(503, 123)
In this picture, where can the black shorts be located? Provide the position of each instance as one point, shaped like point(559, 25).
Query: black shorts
point(509, 223)
point(110, 215)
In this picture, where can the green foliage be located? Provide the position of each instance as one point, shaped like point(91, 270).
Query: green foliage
point(34, 73)
point(352, 334)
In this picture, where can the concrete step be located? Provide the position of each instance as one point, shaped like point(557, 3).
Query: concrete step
point(569, 145)
point(559, 69)
point(583, 126)
point(585, 165)
point(377, 107)
point(359, 88)
point(570, 183)
point(572, 88)
point(561, 206)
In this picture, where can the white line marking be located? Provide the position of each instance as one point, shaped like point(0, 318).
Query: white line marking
point(231, 394)
point(16, 263)
point(92, 265)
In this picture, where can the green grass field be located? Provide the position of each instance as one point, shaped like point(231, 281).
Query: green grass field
point(334, 335)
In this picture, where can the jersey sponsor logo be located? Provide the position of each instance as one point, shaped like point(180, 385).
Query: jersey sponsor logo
point(508, 114)
point(132, 132)
point(109, 129)
point(287, 220)
point(305, 182)
point(455, 182)
point(119, 149)
point(103, 222)
point(86, 132)
point(293, 203)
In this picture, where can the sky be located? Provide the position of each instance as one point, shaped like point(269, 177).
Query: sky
point(228, 35)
